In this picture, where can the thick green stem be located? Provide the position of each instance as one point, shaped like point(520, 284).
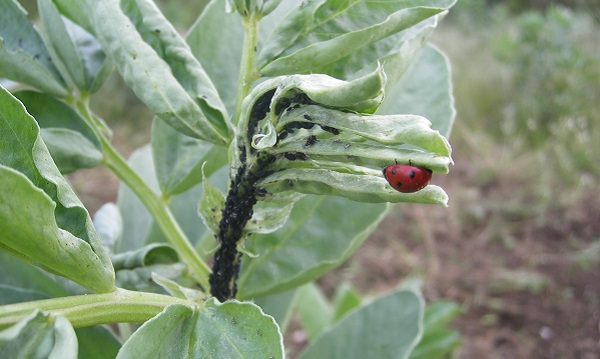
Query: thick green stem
point(248, 73)
point(119, 306)
point(153, 203)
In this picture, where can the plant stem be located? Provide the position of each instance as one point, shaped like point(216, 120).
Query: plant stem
point(119, 306)
point(242, 193)
point(247, 74)
point(153, 203)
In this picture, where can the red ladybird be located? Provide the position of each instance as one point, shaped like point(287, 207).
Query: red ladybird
point(407, 178)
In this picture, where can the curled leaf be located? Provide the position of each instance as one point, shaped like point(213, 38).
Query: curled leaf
point(331, 154)
point(389, 129)
point(270, 216)
point(361, 188)
point(262, 141)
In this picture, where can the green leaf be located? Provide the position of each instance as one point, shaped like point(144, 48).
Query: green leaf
point(70, 150)
point(362, 94)
point(321, 33)
point(389, 129)
point(23, 55)
point(279, 306)
point(229, 330)
point(440, 313)
point(219, 51)
point(269, 22)
point(184, 65)
point(253, 8)
point(136, 219)
point(135, 269)
point(333, 154)
point(76, 10)
point(436, 344)
point(76, 54)
point(361, 188)
point(103, 72)
point(109, 225)
point(96, 67)
point(345, 301)
point(437, 341)
point(141, 278)
point(97, 342)
point(306, 247)
point(211, 206)
point(43, 221)
point(70, 140)
point(22, 282)
point(178, 159)
point(39, 335)
point(138, 226)
point(60, 45)
point(184, 207)
point(179, 291)
point(270, 216)
point(262, 141)
point(136, 266)
point(425, 89)
point(52, 113)
point(404, 48)
point(411, 283)
point(314, 311)
point(155, 253)
point(394, 324)
point(159, 68)
point(35, 236)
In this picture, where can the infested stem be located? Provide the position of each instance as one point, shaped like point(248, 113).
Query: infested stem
point(242, 191)
point(238, 210)
point(239, 207)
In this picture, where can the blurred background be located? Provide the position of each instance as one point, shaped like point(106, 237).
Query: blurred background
point(519, 247)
